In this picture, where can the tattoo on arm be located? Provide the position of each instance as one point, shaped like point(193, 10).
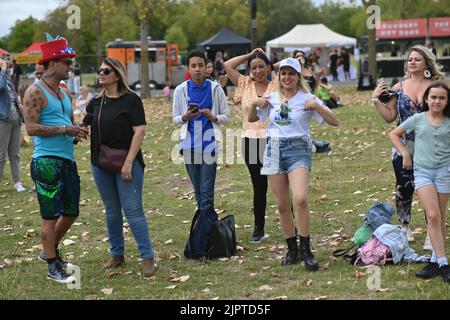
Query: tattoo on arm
point(33, 103)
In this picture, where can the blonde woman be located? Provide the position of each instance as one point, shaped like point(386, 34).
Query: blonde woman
point(403, 102)
point(287, 158)
point(82, 101)
point(122, 126)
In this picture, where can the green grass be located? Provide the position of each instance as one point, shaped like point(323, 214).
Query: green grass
point(353, 176)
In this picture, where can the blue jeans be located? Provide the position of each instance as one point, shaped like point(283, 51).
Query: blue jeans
point(118, 195)
point(203, 178)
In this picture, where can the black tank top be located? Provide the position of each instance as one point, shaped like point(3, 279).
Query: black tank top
point(311, 82)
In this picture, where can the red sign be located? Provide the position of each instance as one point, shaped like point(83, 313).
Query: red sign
point(402, 29)
point(439, 27)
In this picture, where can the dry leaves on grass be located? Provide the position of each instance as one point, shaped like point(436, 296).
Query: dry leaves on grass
point(166, 256)
point(107, 291)
point(265, 288)
point(307, 282)
point(68, 242)
point(280, 298)
point(180, 279)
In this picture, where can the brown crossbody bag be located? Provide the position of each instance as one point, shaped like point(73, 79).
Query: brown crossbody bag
point(109, 159)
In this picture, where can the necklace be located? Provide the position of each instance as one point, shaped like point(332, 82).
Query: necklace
point(57, 94)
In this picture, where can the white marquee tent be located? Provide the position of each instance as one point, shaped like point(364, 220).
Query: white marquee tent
point(310, 35)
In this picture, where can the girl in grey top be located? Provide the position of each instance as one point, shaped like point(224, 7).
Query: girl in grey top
point(431, 169)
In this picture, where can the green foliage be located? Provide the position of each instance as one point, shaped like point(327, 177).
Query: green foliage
point(333, 14)
point(176, 35)
point(200, 19)
point(283, 15)
point(21, 35)
point(103, 21)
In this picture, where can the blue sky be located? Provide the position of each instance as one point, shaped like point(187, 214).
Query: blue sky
point(12, 10)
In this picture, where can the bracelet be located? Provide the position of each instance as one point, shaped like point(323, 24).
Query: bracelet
point(375, 99)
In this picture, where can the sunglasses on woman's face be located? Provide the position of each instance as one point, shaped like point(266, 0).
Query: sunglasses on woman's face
point(105, 71)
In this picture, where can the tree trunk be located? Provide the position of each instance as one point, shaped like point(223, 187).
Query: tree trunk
point(372, 48)
point(254, 22)
point(145, 93)
point(98, 35)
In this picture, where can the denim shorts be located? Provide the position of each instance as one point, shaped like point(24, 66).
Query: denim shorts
point(57, 187)
point(439, 177)
point(282, 156)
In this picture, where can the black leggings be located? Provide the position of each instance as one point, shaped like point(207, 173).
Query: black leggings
point(253, 151)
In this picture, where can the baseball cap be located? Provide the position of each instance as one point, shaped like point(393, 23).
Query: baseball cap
point(292, 63)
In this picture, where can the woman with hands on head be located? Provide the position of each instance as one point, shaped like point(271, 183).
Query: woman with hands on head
point(287, 158)
point(254, 136)
point(401, 103)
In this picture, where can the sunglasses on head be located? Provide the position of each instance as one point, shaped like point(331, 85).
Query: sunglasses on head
point(105, 71)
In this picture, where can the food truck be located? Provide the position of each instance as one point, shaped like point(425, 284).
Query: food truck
point(163, 61)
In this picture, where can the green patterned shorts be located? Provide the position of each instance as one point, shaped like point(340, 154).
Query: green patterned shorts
point(57, 187)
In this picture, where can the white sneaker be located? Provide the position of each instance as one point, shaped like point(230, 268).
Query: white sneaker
point(19, 187)
point(408, 233)
point(427, 244)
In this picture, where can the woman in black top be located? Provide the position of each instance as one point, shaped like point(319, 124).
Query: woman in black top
point(122, 126)
point(307, 74)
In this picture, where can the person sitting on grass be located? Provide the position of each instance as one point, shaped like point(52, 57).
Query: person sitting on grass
point(327, 94)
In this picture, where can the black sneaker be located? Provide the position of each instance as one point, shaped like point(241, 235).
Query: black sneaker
point(57, 273)
point(445, 272)
point(431, 270)
point(65, 264)
point(258, 236)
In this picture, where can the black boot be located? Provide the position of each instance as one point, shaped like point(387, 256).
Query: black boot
point(306, 254)
point(292, 254)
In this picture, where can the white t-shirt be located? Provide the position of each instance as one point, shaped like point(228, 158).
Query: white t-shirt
point(289, 120)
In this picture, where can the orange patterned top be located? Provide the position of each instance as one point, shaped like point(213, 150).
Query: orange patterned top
point(245, 94)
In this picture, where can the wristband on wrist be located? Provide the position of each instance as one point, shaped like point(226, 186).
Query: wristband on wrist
point(375, 99)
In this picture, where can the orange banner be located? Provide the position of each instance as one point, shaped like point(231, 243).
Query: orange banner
point(27, 58)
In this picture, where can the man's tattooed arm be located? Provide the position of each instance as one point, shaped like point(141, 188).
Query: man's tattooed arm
point(33, 103)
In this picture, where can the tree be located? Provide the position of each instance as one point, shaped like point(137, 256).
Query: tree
point(200, 19)
point(337, 16)
point(21, 35)
point(283, 15)
point(372, 44)
point(176, 35)
point(143, 8)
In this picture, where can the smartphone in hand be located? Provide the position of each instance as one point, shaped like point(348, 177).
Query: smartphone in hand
point(193, 108)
